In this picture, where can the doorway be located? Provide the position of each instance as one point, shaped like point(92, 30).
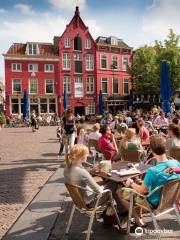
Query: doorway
point(79, 110)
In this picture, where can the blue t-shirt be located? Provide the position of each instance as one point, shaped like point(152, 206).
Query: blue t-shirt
point(157, 176)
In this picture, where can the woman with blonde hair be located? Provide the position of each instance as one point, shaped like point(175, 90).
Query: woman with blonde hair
point(130, 140)
point(76, 174)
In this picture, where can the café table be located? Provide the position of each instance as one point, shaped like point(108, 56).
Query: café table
point(118, 166)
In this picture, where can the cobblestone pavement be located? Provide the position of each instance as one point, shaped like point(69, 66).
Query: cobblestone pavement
point(27, 160)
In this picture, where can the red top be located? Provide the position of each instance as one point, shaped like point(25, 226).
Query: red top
point(144, 135)
point(106, 147)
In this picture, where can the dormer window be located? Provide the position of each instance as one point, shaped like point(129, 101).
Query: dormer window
point(114, 41)
point(32, 48)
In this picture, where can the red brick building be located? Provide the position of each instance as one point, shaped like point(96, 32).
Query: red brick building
point(75, 62)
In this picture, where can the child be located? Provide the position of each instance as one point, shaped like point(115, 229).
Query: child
point(82, 137)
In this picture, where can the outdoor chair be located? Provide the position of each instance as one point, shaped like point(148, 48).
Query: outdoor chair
point(131, 155)
point(93, 145)
point(170, 196)
point(175, 153)
point(80, 205)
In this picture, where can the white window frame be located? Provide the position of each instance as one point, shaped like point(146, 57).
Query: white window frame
point(114, 41)
point(80, 81)
point(67, 83)
point(16, 68)
point(66, 61)
point(13, 85)
point(115, 69)
point(67, 42)
point(101, 56)
point(124, 68)
point(115, 78)
point(35, 67)
point(47, 67)
point(91, 109)
point(34, 49)
point(107, 84)
point(89, 62)
point(90, 84)
point(46, 85)
point(33, 79)
point(87, 43)
point(126, 80)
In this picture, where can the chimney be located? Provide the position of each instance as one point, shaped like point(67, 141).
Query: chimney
point(77, 13)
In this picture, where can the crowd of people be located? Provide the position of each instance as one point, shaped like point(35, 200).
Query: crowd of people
point(153, 133)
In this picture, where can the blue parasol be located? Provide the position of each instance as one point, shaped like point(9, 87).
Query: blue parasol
point(165, 87)
point(101, 103)
point(65, 100)
point(25, 105)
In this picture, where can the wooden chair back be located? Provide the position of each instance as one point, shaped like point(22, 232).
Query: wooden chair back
point(175, 153)
point(76, 195)
point(170, 195)
point(131, 155)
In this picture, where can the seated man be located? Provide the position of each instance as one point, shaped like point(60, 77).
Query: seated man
point(155, 176)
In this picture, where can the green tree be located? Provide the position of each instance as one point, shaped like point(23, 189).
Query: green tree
point(169, 50)
point(145, 69)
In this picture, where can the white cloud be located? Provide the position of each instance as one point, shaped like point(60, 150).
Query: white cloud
point(24, 8)
point(161, 16)
point(94, 28)
point(2, 10)
point(68, 4)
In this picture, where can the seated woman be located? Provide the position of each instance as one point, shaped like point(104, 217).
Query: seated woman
point(75, 173)
point(143, 132)
point(174, 137)
point(130, 141)
point(107, 144)
point(95, 134)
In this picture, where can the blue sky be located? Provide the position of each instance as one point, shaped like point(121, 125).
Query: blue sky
point(137, 22)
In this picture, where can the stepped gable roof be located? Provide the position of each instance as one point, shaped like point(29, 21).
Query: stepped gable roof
point(105, 41)
point(45, 49)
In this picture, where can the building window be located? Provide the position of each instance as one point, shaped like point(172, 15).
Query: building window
point(115, 62)
point(104, 61)
point(125, 63)
point(114, 41)
point(17, 86)
point(52, 105)
point(104, 85)
point(34, 105)
point(16, 67)
point(15, 106)
point(33, 86)
point(67, 42)
point(32, 67)
point(115, 86)
point(32, 48)
point(90, 85)
point(66, 61)
point(89, 62)
point(49, 67)
point(90, 109)
point(78, 63)
point(67, 84)
point(126, 86)
point(49, 86)
point(78, 88)
point(77, 43)
point(88, 44)
point(43, 105)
